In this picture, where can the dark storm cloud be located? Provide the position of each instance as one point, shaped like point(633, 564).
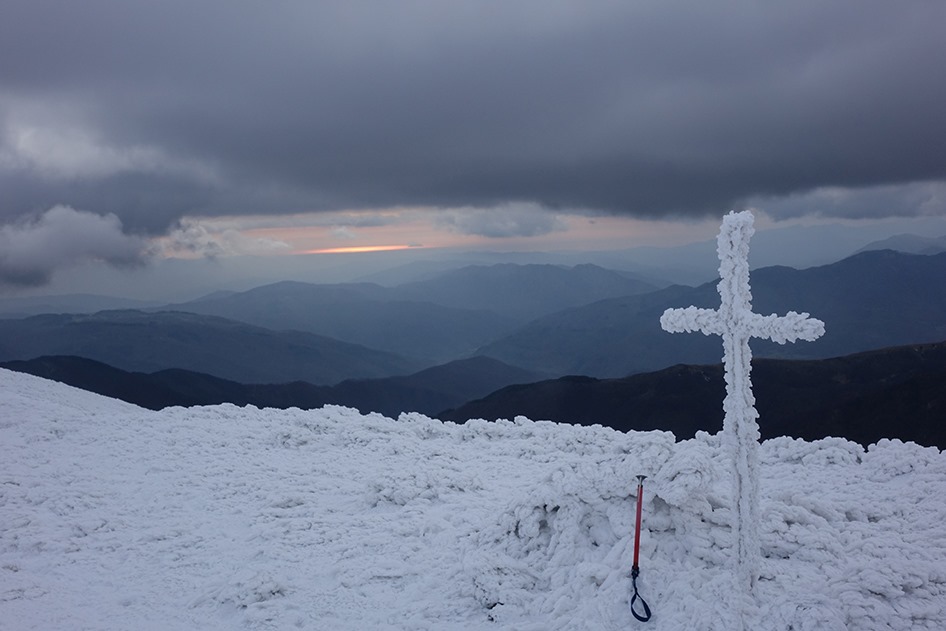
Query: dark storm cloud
point(147, 203)
point(155, 110)
point(920, 198)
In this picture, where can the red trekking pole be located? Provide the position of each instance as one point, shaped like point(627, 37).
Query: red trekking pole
point(635, 569)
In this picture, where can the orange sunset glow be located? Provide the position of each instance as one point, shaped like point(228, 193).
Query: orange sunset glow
point(360, 248)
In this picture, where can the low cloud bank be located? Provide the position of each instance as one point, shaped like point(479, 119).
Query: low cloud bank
point(31, 251)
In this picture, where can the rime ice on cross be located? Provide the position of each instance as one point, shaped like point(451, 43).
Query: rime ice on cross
point(736, 323)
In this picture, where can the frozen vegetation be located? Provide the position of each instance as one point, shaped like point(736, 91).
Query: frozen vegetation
point(115, 517)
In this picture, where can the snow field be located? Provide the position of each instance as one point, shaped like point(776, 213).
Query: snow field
point(115, 517)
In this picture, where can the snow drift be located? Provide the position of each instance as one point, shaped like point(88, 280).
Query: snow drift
point(115, 517)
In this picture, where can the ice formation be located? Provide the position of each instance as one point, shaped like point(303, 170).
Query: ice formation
point(222, 518)
point(736, 323)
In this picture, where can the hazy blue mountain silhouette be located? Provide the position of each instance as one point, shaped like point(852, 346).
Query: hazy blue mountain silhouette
point(889, 393)
point(25, 306)
point(910, 243)
point(523, 292)
point(147, 342)
point(361, 313)
point(426, 391)
point(441, 319)
point(870, 300)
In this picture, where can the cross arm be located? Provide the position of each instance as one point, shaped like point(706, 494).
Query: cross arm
point(788, 328)
point(692, 319)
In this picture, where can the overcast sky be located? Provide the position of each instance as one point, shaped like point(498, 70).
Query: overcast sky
point(125, 120)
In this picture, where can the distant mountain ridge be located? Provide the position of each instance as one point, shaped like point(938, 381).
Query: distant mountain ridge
point(909, 243)
point(24, 306)
point(147, 342)
point(871, 300)
point(426, 392)
point(440, 319)
point(526, 291)
point(360, 313)
point(890, 393)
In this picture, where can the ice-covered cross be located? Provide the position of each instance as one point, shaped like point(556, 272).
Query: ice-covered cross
point(736, 323)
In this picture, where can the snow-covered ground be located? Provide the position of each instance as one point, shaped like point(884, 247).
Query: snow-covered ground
point(115, 517)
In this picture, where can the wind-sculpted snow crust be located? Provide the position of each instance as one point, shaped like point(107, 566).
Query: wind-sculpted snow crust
point(222, 517)
point(850, 540)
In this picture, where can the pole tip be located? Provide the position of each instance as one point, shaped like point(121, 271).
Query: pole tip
point(641, 478)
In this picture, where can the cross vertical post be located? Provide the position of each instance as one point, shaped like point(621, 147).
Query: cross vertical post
point(736, 323)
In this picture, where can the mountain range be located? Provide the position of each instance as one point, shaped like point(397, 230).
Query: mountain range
point(25, 306)
point(140, 341)
point(871, 300)
point(427, 391)
point(441, 319)
point(327, 334)
point(364, 314)
point(909, 243)
point(852, 397)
